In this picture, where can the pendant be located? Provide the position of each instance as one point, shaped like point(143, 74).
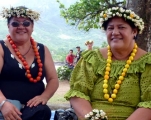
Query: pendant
point(24, 57)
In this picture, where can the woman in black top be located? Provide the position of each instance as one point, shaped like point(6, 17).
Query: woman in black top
point(24, 64)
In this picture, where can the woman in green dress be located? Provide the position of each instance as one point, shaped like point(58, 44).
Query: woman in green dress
point(115, 79)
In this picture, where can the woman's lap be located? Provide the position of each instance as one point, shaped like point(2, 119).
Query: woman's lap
point(40, 112)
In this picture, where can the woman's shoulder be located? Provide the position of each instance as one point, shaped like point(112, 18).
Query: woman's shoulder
point(2, 44)
point(141, 60)
point(140, 53)
point(98, 54)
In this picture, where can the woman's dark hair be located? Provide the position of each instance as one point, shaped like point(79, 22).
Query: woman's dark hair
point(20, 7)
point(105, 24)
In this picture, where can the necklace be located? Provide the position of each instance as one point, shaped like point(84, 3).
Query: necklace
point(25, 64)
point(121, 77)
point(26, 53)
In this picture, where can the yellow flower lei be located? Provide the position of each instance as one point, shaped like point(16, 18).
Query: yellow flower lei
point(121, 77)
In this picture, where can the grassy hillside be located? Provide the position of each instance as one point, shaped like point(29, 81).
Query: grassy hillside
point(53, 31)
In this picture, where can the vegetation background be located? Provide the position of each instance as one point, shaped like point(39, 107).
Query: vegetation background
point(52, 30)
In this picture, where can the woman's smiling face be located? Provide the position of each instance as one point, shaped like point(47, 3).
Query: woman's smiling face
point(119, 33)
point(20, 33)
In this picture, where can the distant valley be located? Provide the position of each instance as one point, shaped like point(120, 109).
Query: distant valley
point(54, 32)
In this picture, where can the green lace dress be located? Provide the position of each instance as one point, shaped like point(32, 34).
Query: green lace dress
point(135, 91)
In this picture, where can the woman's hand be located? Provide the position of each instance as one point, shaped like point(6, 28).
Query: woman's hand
point(10, 112)
point(37, 100)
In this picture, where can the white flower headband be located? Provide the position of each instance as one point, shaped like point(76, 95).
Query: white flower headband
point(88, 42)
point(20, 12)
point(120, 12)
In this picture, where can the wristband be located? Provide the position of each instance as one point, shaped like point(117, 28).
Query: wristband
point(96, 114)
point(2, 103)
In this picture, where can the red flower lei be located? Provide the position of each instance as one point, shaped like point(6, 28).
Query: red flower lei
point(25, 64)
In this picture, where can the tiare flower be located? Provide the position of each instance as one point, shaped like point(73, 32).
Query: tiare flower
point(121, 12)
point(96, 114)
point(20, 12)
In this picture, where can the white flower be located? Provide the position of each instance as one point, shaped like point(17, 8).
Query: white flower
point(96, 118)
point(117, 13)
point(106, 18)
point(110, 13)
point(87, 116)
point(91, 113)
point(101, 111)
point(20, 12)
point(96, 114)
point(103, 114)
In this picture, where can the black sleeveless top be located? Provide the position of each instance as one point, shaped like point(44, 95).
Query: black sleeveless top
point(13, 82)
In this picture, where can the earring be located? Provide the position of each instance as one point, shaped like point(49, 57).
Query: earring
point(134, 37)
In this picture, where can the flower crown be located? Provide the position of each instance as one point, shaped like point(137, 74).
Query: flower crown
point(121, 12)
point(88, 42)
point(20, 12)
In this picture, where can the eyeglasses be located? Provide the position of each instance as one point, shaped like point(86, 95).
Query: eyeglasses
point(25, 24)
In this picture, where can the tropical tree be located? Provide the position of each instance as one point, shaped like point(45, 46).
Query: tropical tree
point(85, 15)
point(143, 9)
point(104, 44)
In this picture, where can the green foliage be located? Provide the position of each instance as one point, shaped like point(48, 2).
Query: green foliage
point(85, 14)
point(95, 47)
point(64, 73)
point(104, 44)
point(51, 27)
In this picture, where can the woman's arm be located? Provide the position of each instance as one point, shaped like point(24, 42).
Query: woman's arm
point(1, 57)
point(51, 75)
point(51, 79)
point(2, 97)
point(143, 112)
point(140, 114)
point(80, 106)
point(8, 110)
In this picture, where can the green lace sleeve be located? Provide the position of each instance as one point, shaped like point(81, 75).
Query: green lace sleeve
point(82, 78)
point(145, 85)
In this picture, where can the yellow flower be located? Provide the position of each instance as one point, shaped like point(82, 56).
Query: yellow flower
point(120, 12)
point(131, 15)
point(104, 15)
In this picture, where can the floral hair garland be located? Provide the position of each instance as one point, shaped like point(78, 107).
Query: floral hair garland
point(20, 12)
point(88, 42)
point(121, 12)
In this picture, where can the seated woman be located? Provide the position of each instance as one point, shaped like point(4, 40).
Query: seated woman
point(117, 78)
point(24, 64)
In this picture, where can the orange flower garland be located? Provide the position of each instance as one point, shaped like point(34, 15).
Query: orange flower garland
point(121, 77)
point(25, 64)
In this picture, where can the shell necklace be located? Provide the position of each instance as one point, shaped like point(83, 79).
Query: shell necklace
point(23, 60)
point(121, 77)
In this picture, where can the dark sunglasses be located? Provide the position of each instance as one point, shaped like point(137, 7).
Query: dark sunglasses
point(16, 24)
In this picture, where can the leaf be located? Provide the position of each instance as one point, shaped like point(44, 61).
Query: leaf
point(87, 11)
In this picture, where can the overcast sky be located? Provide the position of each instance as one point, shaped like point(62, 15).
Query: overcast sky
point(8, 3)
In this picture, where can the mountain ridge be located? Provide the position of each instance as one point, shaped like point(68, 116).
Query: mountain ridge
point(53, 31)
